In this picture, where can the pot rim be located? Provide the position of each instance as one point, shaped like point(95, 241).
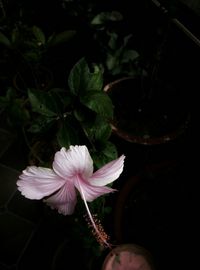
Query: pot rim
point(146, 139)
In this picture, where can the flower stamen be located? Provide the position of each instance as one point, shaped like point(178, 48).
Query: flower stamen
point(95, 223)
point(98, 231)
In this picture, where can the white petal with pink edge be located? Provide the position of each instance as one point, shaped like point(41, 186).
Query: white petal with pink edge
point(75, 160)
point(64, 200)
point(37, 182)
point(108, 173)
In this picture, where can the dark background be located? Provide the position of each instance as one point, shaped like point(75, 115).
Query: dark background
point(157, 206)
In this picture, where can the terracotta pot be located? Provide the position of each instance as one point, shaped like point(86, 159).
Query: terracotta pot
point(156, 209)
point(133, 192)
point(146, 116)
point(128, 257)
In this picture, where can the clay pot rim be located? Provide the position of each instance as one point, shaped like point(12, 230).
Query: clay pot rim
point(146, 140)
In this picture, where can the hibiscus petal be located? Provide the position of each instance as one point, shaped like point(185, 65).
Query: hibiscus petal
point(90, 192)
point(75, 160)
point(64, 200)
point(108, 173)
point(37, 182)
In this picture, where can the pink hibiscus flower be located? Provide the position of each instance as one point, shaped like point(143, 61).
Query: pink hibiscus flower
point(72, 171)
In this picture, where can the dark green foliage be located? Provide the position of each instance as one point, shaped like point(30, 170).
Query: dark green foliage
point(78, 114)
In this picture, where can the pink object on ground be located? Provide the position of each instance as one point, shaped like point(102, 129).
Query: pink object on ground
point(128, 257)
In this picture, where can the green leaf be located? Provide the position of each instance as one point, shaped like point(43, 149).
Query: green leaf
point(98, 102)
point(111, 62)
point(42, 102)
point(82, 113)
point(103, 17)
point(107, 154)
point(60, 38)
point(67, 135)
point(62, 100)
point(82, 80)
point(75, 76)
point(39, 35)
point(31, 56)
point(102, 129)
point(41, 124)
point(78, 114)
point(4, 40)
point(113, 41)
point(18, 114)
point(129, 55)
point(126, 39)
point(117, 70)
point(115, 16)
point(99, 19)
point(110, 151)
point(97, 131)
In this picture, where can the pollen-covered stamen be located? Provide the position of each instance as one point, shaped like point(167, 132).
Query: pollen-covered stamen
point(101, 236)
point(98, 230)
